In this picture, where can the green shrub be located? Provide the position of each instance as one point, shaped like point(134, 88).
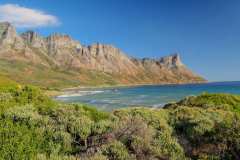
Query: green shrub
point(33, 126)
point(116, 151)
point(218, 101)
point(17, 141)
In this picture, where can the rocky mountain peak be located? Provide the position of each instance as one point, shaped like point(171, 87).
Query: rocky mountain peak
point(4, 27)
point(171, 61)
point(8, 35)
point(106, 50)
point(34, 39)
point(59, 36)
point(29, 36)
point(58, 41)
point(61, 51)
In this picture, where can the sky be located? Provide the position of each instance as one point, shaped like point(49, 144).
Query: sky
point(206, 33)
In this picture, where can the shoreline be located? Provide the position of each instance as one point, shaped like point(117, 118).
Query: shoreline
point(87, 90)
point(56, 93)
point(84, 88)
point(111, 96)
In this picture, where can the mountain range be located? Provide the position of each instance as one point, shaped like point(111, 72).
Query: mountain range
point(59, 61)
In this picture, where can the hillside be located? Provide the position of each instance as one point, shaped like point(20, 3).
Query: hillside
point(32, 126)
point(60, 61)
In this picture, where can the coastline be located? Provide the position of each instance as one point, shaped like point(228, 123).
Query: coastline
point(150, 96)
point(127, 86)
point(55, 93)
point(86, 90)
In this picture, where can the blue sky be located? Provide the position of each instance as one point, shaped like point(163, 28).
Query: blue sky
point(206, 33)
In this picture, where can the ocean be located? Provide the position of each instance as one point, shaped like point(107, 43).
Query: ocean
point(148, 96)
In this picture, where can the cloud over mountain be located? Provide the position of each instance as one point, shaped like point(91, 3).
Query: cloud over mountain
point(23, 17)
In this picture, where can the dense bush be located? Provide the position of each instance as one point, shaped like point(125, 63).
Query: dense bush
point(208, 125)
point(33, 126)
point(217, 101)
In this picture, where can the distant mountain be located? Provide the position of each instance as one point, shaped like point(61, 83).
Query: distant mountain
point(60, 61)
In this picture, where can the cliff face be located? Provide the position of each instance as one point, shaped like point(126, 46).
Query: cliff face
point(8, 36)
point(62, 52)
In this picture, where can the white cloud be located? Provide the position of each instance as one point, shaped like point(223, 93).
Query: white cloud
point(23, 17)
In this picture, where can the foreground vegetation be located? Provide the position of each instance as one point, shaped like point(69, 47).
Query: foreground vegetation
point(33, 126)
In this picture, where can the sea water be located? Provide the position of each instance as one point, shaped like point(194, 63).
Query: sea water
point(148, 96)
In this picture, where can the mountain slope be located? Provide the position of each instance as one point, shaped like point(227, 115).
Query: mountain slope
point(59, 61)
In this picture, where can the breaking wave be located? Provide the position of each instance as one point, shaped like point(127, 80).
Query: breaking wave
point(79, 93)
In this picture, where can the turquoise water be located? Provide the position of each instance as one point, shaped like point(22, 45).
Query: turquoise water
point(150, 96)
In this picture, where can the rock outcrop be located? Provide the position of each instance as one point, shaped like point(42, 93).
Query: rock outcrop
point(9, 37)
point(62, 52)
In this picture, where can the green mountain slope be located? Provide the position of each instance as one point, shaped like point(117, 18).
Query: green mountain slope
point(5, 81)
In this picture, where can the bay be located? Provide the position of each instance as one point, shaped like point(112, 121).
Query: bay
point(148, 96)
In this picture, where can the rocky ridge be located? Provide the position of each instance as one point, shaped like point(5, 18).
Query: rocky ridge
point(61, 51)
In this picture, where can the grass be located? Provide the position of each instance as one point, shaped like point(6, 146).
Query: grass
point(5, 81)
